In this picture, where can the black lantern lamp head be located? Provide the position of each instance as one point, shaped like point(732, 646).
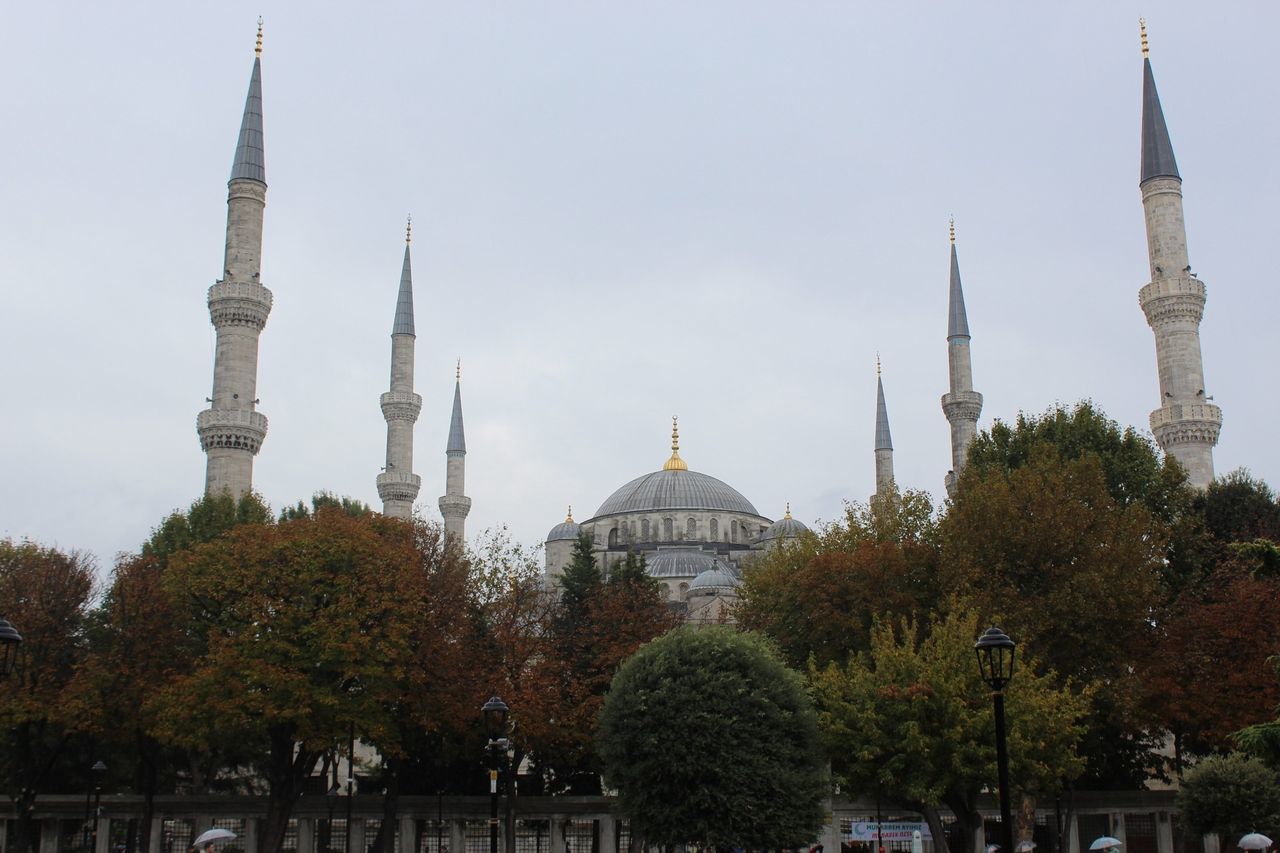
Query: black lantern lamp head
point(99, 770)
point(995, 658)
point(495, 717)
point(9, 640)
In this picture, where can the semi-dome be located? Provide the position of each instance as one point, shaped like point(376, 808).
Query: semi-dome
point(784, 528)
point(567, 529)
point(717, 580)
point(675, 489)
point(679, 562)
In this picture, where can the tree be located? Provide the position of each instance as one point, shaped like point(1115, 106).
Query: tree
point(322, 500)
point(819, 595)
point(46, 595)
point(1230, 795)
point(311, 628)
point(579, 581)
point(756, 779)
point(910, 719)
point(206, 519)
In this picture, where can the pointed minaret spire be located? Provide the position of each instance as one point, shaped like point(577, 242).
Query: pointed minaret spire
point(675, 463)
point(961, 404)
point(398, 486)
point(232, 430)
point(884, 442)
point(250, 163)
point(1186, 425)
point(454, 504)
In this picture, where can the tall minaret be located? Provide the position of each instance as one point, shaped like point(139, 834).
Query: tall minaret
point(961, 404)
point(397, 484)
point(1186, 425)
point(884, 442)
point(454, 504)
point(231, 430)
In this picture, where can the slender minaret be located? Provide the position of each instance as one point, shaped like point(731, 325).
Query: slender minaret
point(1186, 425)
point(397, 484)
point(454, 504)
point(231, 430)
point(961, 404)
point(884, 442)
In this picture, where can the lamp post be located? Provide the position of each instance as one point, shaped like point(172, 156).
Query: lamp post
point(9, 640)
point(495, 723)
point(995, 661)
point(91, 831)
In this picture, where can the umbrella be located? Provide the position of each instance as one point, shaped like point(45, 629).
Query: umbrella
point(1104, 842)
point(213, 835)
point(1255, 841)
point(992, 848)
point(1025, 846)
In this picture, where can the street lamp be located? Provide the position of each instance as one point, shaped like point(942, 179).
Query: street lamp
point(9, 640)
point(995, 661)
point(495, 723)
point(98, 770)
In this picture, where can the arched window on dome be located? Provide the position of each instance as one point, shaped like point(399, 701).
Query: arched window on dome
point(613, 537)
point(691, 528)
point(714, 527)
point(733, 534)
point(668, 529)
point(644, 530)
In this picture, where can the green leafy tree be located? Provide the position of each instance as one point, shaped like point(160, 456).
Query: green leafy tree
point(757, 780)
point(325, 500)
point(205, 520)
point(818, 596)
point(579, 581)
point(911, 720)
point(1230, 795)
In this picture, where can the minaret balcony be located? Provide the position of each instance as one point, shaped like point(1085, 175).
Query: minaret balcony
point(1170, 300)
point(399, 486)
point(455, 506)
point(239, 303)
point(962, 405)
point(1186, 423)
point(401, 406)
point(231, 428)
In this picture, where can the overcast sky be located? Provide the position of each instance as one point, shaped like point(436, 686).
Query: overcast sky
point(622, 211)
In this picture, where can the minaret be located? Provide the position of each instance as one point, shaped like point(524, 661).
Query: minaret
point(961, 404)
point(231, 430)
point(454, 504)
point(884, 442)
point(1186, 425)
point(397, 484)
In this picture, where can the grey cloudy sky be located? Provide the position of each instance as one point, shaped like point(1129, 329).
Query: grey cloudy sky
point(622, 211)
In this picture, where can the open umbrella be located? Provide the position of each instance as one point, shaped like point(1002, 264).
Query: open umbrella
point(1026, 845)
point(1104, 842)
point(213, 835)
point(1255, 841)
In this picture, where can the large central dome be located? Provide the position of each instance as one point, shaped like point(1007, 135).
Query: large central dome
point(675, 489)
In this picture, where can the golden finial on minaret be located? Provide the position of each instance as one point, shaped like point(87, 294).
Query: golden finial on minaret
point(788, 515)
point(1142, 28)
point(408, 229)
point(953, 230)
point(457, 373)
point(675, 463)
point(257, 50)
point(569, 517)
point(877, 371)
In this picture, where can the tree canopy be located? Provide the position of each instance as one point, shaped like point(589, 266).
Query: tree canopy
point(709, 737)
point(1230, 795)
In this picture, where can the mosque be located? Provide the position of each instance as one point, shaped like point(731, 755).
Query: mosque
point(695, 531)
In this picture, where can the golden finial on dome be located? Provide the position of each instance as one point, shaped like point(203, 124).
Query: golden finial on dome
point(953, 230)
point(408, 229)
point(788, 515)
point(568, 519)
point(675, 463)
point(1142, 29)
point(257, 50)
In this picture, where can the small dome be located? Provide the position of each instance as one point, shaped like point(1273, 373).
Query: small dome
point(679, 562)
point(784, 528)
point(567, 529)
point(717, 580)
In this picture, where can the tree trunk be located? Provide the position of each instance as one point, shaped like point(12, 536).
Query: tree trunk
point(286, 772)
point(1025, 825)
point(147, 748)
point(390, 808)
point(26, 835)
point(968, 819)
point(936, 829)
